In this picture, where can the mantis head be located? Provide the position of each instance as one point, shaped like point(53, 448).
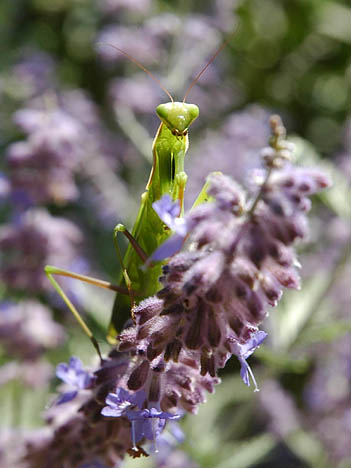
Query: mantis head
point(177, 116)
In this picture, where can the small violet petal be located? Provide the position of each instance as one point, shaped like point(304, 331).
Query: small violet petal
point(252, 343)
point(112, 412)
point(244, 372)
point(167, 210)
point(75, 364)
point(244, 351)
point(138, 398)
point(66, 397)
point(170, 247)
point(122, 402)
point(137, 430)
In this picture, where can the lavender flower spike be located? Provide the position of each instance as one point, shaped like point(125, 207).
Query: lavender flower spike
point(73, 375)
point(169, 211)
point(244, 351)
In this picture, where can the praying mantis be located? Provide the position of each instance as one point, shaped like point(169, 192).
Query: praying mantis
point(167, 176)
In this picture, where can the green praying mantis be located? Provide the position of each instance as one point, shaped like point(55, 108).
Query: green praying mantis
point(167, 176)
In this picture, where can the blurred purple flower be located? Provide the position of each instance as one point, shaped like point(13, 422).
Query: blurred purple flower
point(135, 6)
point(33, 241)
point(136, 41)
point(33, 74)
point(232, 149)
point(280, 410)
point(27, 329)
point(43, 165)
point(75, 377)
point(4, 187)
point(33, 373)
point(137, 93)
point(59, 139)
point(327, 405)
point(53, 134)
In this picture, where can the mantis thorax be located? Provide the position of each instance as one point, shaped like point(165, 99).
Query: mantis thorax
point(178, 116)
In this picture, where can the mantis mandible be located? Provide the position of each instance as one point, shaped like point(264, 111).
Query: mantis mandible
point(167, 176)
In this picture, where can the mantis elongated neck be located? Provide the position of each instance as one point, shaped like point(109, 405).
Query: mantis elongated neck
point(168, 160)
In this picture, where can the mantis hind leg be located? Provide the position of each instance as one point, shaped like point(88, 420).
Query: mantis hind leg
point(52, 270)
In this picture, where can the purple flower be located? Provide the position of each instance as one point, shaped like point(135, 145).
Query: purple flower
point(122, 402)
point(169, 212)
point(136, 41)
point(138, 93)
point(35, 240)
point(27, 329)
point(244, 351)
point(33, 74)
point(143, 424)
point(135, 6)
point(74, 376)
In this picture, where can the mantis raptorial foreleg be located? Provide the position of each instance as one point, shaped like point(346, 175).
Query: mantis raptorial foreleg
point(203, 196)
point(138, 249)
point(52, 270)
point(180, 181)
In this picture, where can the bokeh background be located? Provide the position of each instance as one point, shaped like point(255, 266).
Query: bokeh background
point(76, 126)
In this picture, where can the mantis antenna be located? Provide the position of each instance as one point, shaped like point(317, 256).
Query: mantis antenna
point(138, 64)
point(197, 77)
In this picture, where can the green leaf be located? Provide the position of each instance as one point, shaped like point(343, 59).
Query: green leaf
point(281, 361)
point(245, 454)
point(325, 332)
point(297, 308)
point(307, 447)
